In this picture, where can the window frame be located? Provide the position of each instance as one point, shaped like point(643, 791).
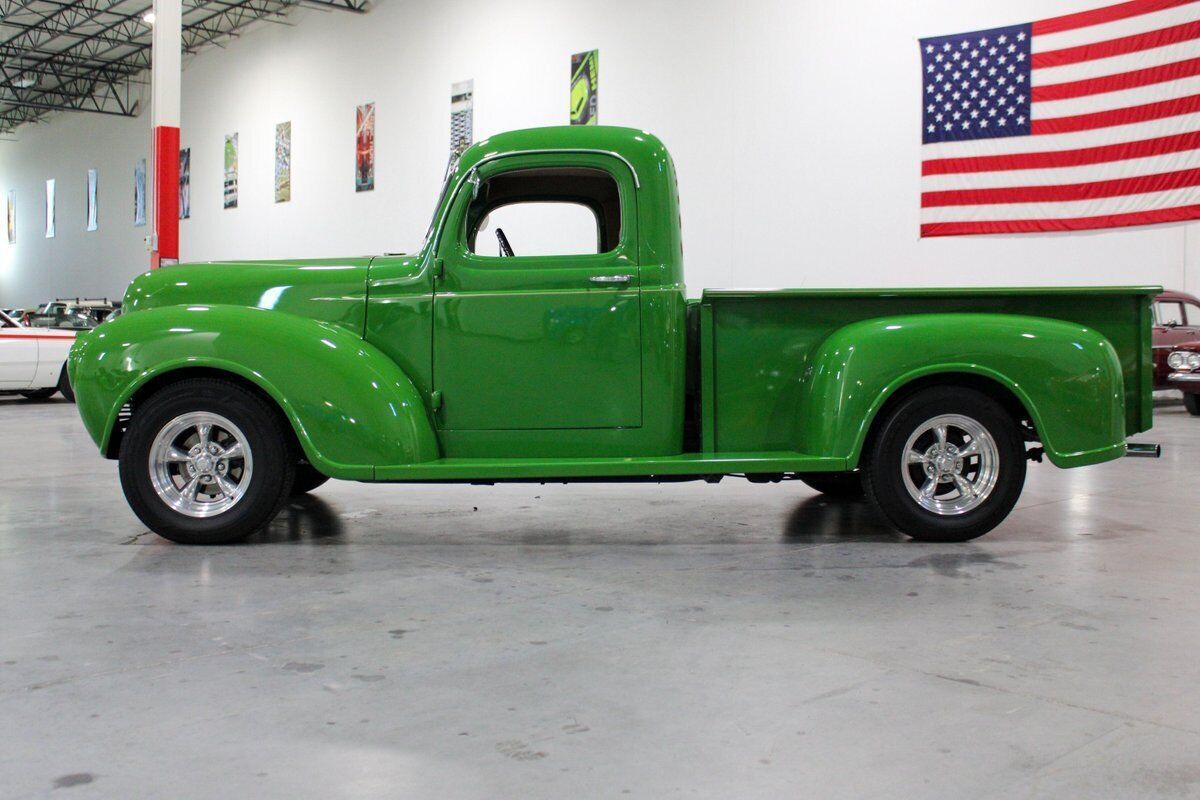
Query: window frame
point(1158, 319)
point(453, 245)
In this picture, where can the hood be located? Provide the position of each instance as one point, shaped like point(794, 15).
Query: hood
point(329, 289)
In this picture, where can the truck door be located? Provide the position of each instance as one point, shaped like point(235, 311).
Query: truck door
point(537, 313)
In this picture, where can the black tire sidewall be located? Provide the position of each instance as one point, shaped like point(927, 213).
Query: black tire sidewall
point(885, 484)
point(307, 478)
point(1191, 402)
point(64, 385)
point(270, 482)
point(845, 485)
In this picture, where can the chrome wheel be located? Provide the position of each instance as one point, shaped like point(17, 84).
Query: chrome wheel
point(950, 464)
point(200, 464)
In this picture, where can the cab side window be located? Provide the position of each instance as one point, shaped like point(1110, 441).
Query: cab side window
point(1193, 315)
point(559, 211)
point(1170, 313)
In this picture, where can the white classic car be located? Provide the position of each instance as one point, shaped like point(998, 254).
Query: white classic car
point(33, 360)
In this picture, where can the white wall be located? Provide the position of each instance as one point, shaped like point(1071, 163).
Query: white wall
point(795, 127)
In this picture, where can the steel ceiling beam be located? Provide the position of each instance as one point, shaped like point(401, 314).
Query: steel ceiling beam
point(91, 55)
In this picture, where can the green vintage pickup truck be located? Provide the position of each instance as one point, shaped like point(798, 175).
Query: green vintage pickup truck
point(226, 387)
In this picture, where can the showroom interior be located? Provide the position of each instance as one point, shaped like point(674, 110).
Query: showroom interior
point(544, 398)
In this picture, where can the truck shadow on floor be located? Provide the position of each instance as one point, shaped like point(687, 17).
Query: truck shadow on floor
point(823, 519)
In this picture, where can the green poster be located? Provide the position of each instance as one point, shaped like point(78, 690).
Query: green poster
point(585, 74)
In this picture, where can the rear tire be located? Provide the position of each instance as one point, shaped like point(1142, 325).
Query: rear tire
point(205, 461)
point(40, 394)
point(307, 478)
point(1192, 403)
point(945, 465)
point(842, 485)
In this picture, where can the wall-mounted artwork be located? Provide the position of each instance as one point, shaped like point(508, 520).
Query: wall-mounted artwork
point(93, 214)
point(364, 170)
point(462, 116)
point(12, 216)
point(50, 209)
point(585, 75)
point(283, 162)
point(185, 183)
point(139, 193)
point(231, 171)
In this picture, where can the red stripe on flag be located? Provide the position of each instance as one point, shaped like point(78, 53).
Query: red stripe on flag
point(1178, 214)
point(1115, 83)
point(1117, 116)
point(1116, 47)
point(1096, 16)
point(1064, 193)
point(1064, 158)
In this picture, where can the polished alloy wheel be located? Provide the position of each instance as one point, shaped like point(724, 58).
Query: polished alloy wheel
point(200, 464)
point(950, 464)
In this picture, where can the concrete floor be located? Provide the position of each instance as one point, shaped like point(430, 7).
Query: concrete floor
point(729, 641)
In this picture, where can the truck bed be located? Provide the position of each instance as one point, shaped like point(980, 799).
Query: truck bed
point(762, 342)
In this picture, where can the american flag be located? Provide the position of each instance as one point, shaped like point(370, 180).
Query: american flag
point(1089, 120)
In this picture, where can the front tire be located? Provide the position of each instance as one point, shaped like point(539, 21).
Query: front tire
point(307, 478)
point(1192, 403)
point(40, 394)
point(946, 465)
point(206, 461)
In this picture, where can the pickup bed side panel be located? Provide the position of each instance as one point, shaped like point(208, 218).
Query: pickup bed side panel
point(764, 342)
point(351, 407)
point(1067, 377)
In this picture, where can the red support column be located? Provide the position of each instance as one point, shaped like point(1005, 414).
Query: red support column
point(166, 76)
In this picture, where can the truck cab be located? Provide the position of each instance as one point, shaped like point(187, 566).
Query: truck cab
point(505, 350)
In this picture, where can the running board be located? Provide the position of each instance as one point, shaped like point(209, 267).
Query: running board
point(554, 469)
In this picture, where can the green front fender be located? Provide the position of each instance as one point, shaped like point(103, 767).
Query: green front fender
point(352, 408)
point(1067, 376)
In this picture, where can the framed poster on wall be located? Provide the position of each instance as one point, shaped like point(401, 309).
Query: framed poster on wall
point(585, 77)
point(462, 116)
point(93, 216)
point(230, 189)
point(139, 193)
point(50, 208)
point(364, 149)
point(185, 183)
point(283, 162)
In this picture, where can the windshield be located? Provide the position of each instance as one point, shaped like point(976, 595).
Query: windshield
point(451, 168)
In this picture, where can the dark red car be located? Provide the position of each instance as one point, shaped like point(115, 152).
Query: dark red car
point(1177, 346)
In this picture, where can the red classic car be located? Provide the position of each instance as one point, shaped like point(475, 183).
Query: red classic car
point(1177, 346)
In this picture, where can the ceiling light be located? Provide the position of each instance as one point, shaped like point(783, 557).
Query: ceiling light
point(25, 81)
point(148, 18)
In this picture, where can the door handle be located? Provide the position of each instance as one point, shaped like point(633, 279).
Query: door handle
point(610, 279)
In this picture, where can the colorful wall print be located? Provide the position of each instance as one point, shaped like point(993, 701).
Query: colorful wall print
point(585, 75)
point(139, 193)
point(283, 162)
point(50, 209)
point(93, 216)
point(185, 182)
point(462, 116)
point(364, 170)
point(12, 216)
point(231, 171)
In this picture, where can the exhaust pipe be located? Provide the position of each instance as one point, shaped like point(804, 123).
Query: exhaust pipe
point(1137, 450)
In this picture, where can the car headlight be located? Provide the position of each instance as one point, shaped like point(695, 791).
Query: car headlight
point(1182, 360)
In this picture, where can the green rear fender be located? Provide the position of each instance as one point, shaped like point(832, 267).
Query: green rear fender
point(1067, 377)
point(352, 408)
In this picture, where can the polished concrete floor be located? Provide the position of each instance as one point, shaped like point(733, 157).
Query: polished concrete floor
point(728, 641)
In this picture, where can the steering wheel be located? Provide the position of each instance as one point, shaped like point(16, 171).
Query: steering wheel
point(506, 250)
